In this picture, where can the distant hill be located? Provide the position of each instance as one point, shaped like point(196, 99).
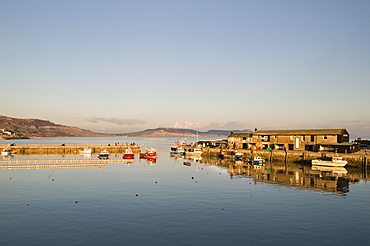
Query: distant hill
point(177, 132)
point(35, 128)
point(11, 128)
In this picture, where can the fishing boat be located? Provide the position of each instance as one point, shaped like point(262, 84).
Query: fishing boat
point(86, 151)
point(335, 161)
point(194, 152)
point(104, 154)
point(176, 149)
point(128, 154)
point(149, 153)
point(256, 161)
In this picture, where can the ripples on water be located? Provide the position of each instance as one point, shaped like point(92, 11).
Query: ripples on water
point(208, 203)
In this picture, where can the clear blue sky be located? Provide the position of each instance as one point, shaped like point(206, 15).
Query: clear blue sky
point(122, 66)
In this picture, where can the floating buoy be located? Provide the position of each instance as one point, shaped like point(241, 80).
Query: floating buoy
point(136, 194)
point(76, 201)
point(156, 182)
point(52, 180)
point(192, 177)
point(27, 204)
point(222, 209)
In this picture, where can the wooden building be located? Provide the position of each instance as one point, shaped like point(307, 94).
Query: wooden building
point(330, 140)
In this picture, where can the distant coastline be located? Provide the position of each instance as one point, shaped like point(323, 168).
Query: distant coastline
point(15, 128)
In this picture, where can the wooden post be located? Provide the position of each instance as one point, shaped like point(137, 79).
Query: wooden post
point(286, 156)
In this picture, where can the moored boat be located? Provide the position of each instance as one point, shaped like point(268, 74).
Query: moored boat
point(129, 154)
point(103, 154)
point(86, 151)
point(256, 161)
point(177, 149)
point(149, 153)
point(6, 152)
point(193, 152)
point(335, 161)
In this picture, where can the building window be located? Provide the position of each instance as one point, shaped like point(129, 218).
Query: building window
point(244, 138)
point(312, 138)
point(325, 137)
point(303, 138)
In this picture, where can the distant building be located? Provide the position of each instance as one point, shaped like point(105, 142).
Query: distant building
point(5, 132)
point(330, 140)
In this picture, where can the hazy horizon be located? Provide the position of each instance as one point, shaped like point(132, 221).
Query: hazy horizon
point(124, 66)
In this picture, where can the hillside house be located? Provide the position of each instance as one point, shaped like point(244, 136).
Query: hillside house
point(329, 140)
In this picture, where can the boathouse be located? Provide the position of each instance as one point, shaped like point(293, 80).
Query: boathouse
point(328, 140)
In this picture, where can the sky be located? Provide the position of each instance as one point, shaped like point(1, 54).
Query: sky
point(118, 66)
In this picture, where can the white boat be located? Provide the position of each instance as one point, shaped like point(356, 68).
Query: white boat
point(257, 161)
point(194, 152)
point(86, 151)
point(6, 152)
point(335, 161)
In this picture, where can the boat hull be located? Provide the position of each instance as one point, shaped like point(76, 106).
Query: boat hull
point(329, 163)
point(103, 156)
point(128, 156)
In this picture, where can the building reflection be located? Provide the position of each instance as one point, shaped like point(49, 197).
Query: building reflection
point(318, 178)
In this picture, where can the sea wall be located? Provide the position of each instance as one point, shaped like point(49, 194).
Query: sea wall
point(70, 149)
point(359, 159)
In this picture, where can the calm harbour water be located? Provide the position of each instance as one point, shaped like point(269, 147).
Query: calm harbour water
point(211, 202)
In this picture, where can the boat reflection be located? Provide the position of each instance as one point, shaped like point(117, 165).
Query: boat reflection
point(331, 180)
point(336, 171)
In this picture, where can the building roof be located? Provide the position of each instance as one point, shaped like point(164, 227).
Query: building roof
point(339, 144)
point(239, 134)
point(301, 132)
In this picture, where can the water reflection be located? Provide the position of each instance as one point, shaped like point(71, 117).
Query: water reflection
point(334, 180)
